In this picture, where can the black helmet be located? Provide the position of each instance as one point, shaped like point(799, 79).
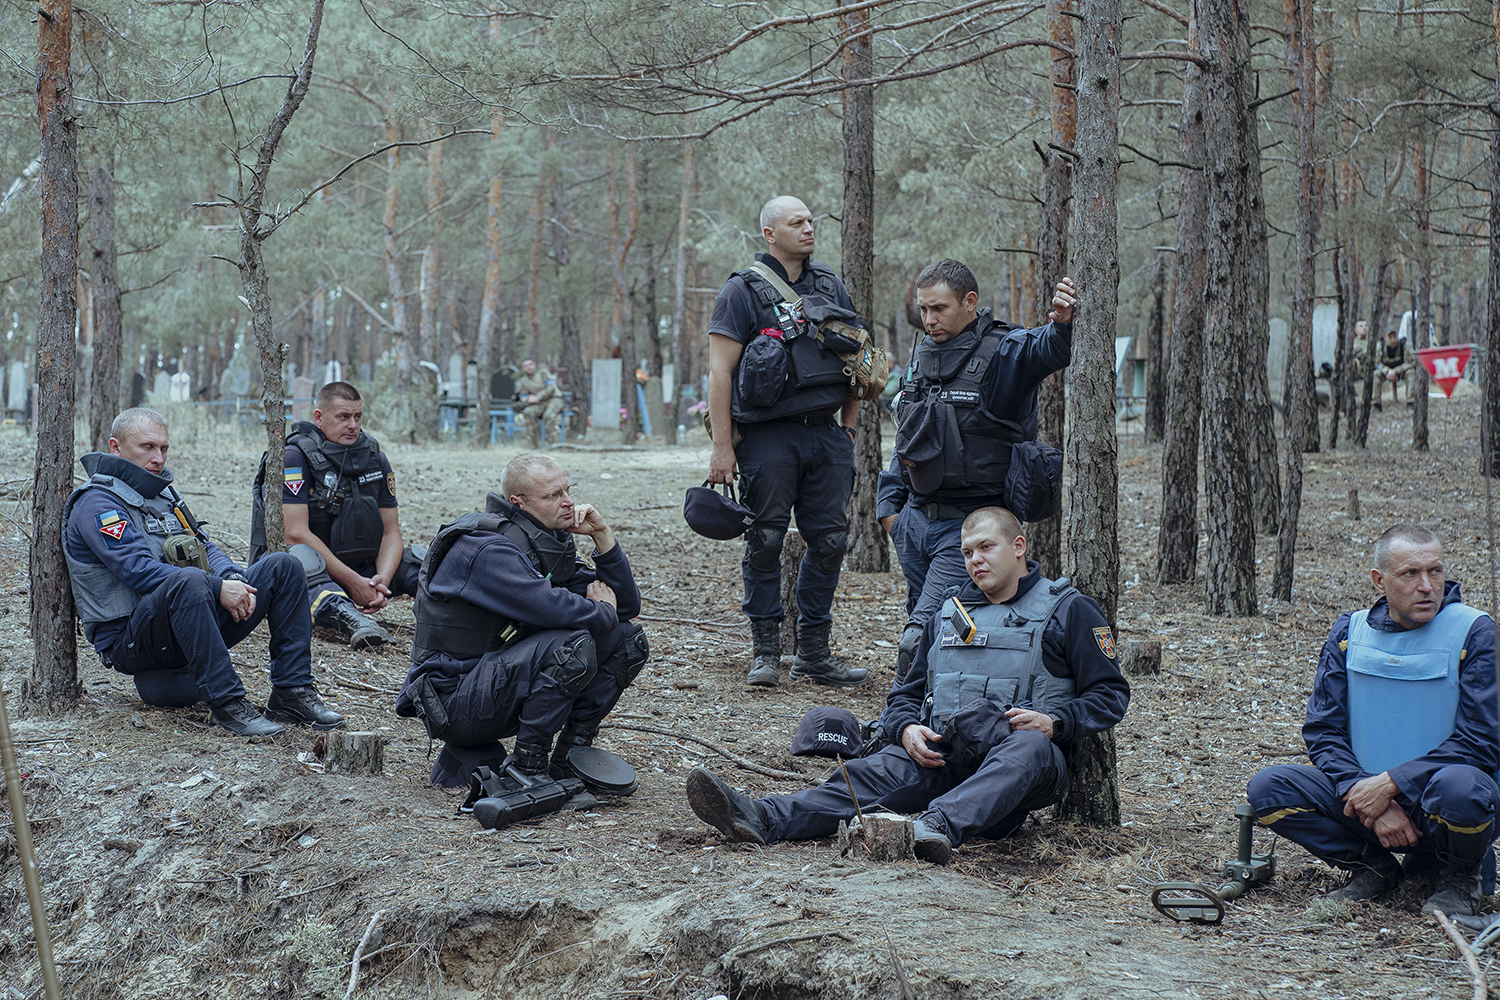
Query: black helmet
point(716, 515)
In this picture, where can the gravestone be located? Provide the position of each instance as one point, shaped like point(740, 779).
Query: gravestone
point(653, 416)
point(302, 402)
point(238, 378)
point(471, 382)
point(365, 372)
point(1276, 357)
point(502, 387)
point(15, 391)
point(668, 382)
point(604, 411)
point(161, 387)
point(180, 390)
point(333, 372)
point(137, 389)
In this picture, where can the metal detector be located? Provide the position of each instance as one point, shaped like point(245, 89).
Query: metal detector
point(1192, 901)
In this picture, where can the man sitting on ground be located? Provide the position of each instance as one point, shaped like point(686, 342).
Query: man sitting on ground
point(1012, 672)
point(1402, 734)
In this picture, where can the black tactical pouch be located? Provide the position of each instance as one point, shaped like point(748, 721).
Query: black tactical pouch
point(972, 733)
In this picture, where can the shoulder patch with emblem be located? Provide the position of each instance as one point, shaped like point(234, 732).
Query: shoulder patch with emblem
point(112, 523)
point(1106, 641)
point(292, 478)
point(390, 483)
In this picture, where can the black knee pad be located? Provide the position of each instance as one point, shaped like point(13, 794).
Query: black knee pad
point(827, 550)
point(626, 662)
point(573, 664)
point(764, 547)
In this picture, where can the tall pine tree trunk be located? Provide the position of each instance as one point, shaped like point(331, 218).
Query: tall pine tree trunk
point(109, 338)
point(1093, 516)
point(1421, 319)
point(1177, 544)
point(1229, 127)
point(427, 338)
point(869, 551)
point(620, 245)
point(53, 684)
point(1490, 461)
point(1052, 259)
point(681, 337)
point(395, 287)
point(1301, 52)
point(1156, 404)
point(1385, 290)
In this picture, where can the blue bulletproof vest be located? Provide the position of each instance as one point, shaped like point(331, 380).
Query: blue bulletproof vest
point(1403, 686)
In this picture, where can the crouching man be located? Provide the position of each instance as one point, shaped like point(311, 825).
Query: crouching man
point(1012, 672)
point(1402, 735)
point(161, 602)
point(517, 636)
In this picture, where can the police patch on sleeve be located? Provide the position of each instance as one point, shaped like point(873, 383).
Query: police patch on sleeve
point(1106, 641)
point(292, 479)
point(112, 524)
point(390, 483)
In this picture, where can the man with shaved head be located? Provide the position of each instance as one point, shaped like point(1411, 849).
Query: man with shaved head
point(1014, 670)
point(782, 416)
point(1401, 730)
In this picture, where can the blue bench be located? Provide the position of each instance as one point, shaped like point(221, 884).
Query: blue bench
point(503, 421)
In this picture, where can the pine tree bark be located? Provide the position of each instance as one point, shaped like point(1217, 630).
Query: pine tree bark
point(1339, 389)
point(1421, 319)
point(1380, 301)
point(1264, 470)
point(534, 269)
point(254, 280)
point(1156, 404)
point(1177, 537)
point(1052, 260)
point(1229, 128)
point(53, 684)
point(869, 552)
point(580, 383)
point(1301, 59)
point(428, 290)
point(395, 286)
point(109, 338)
point(680, 336)
point(1093, 516)
point(1490, 459)
point(624, 306)
point(317, 341)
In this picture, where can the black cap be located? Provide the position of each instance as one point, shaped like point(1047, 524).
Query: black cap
point(827, 732)
point(716, 515)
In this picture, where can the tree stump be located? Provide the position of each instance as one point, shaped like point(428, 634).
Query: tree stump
point(792, 550)
point(1354, 505)
point(882, 836)
point(355, 753)
point(1139, 657)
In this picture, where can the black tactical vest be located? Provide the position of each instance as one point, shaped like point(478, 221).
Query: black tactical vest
point(817, 380)
point(343, 494)
point(465, 631)
point(948, 380)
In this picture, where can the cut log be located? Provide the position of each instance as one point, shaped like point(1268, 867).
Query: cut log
point(792, 550)
point(882, 836)
point(1139, 657)
point(355, 753)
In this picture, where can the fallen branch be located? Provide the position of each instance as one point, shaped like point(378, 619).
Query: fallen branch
point(906, 990)
point(788, 940)
point(1271, 751)
point(343, 681)
point(1481, 985)
point(358, 951)
point(743, 762)
point(688, 621)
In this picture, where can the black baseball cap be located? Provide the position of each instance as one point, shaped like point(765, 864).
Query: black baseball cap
point(716, 515)
point(827, 732)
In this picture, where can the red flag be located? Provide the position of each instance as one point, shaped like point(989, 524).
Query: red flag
point(1446, 364)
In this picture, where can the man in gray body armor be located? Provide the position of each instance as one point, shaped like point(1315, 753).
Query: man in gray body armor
point(1013, 671)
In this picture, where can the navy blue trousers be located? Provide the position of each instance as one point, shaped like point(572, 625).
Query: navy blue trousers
point(1455, 816)
point(1024, 772)
point(178, 640)
point(932, 560)
point(511, 692)
point(786, 467)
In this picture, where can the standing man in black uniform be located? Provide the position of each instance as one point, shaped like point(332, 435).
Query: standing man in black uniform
point(984, 374)
point(339, 499)
point(517, 636)
point(161, 602)
point(790, 400)
point(986, 717)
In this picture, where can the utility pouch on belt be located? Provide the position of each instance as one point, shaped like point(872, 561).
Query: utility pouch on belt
point(185, 550)
point(837, 331)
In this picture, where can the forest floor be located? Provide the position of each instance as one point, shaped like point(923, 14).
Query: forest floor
point(181, 863)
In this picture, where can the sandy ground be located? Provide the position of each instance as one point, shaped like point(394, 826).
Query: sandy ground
point(182, 863)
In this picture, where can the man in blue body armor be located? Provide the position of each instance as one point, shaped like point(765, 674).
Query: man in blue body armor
point(1401, 728)
point(1013, 671)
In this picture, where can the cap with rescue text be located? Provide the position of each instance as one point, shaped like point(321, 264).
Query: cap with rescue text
point(716, 515)
point(827, 732)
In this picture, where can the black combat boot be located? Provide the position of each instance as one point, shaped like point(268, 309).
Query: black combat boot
point(1377, 872)
point(733, 813)
point(301, 706)
point(1458, 891)
point(566, 741)
point(346, 619)
point(815, 663)
point(528, 764)
point(240, 717)
point(766, 634)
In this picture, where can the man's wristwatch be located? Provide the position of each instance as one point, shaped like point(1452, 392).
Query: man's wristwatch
point(849, 429)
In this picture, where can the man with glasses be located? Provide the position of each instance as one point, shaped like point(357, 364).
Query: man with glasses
point(516, 635)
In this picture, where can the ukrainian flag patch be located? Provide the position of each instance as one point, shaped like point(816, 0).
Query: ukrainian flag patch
point(112, 523)
point(292, 479)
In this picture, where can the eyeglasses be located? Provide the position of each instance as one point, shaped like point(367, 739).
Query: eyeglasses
point(556, 495)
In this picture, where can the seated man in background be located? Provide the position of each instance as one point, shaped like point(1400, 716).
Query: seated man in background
point(1393, 364)
point(996, 696)
point(161, 602)
point(338, 496)
point(1402, 734)
point(518, 636)
point(541, 401)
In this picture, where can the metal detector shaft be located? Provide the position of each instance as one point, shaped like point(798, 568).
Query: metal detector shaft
point(28, 855)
